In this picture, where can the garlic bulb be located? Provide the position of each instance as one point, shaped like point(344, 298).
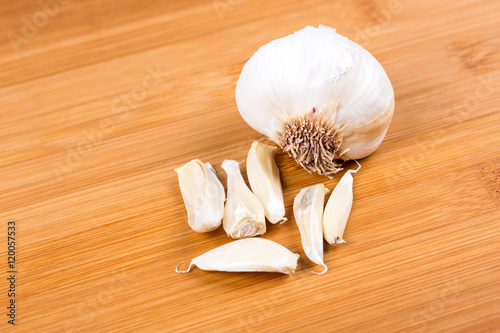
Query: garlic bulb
point(247, 255)
point(317, 95)
point(264, 178)
point(338, 209)
point(203, 195)
point(243, 214)
point(308, 212)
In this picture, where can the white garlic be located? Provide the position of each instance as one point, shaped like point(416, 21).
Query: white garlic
point(308, 212)
point(319, 96)
point(264, 178)
point(247, 255)
point(338, 209)
point(243, 214)
point(203, 195)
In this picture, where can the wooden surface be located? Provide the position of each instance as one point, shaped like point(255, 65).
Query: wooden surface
point(89, 140)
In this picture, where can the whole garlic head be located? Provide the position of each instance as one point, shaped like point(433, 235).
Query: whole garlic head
point(319, 96)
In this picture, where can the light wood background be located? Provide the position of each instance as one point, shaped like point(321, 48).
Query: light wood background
point(89, 140)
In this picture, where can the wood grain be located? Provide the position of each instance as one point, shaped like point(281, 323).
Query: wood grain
point(101, 100)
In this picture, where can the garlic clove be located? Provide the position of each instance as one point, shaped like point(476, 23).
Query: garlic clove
point(203, 195)
point(319, 96)
point(243, 215)
point(264, 178)
point(247, 255)
point(338, 209)
point(308, 212)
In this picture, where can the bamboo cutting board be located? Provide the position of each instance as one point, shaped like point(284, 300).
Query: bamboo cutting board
point(101, 100)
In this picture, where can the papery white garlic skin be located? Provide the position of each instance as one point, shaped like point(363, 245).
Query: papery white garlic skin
point(316, 81)
point(338, 208)
point(244, 214)
point(264, 178)
point(308, 212)
point(203, 195)
point(247, 255)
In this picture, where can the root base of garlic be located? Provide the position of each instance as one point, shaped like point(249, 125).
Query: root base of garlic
point(312, 143)
point(247, 228)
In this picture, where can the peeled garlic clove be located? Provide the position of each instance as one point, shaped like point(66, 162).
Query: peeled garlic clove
point(203, 195)
point(317, 95)
point(244, 214)
point(338, 209)
point(264, 178)
point(247, 255)
point(308, 212)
